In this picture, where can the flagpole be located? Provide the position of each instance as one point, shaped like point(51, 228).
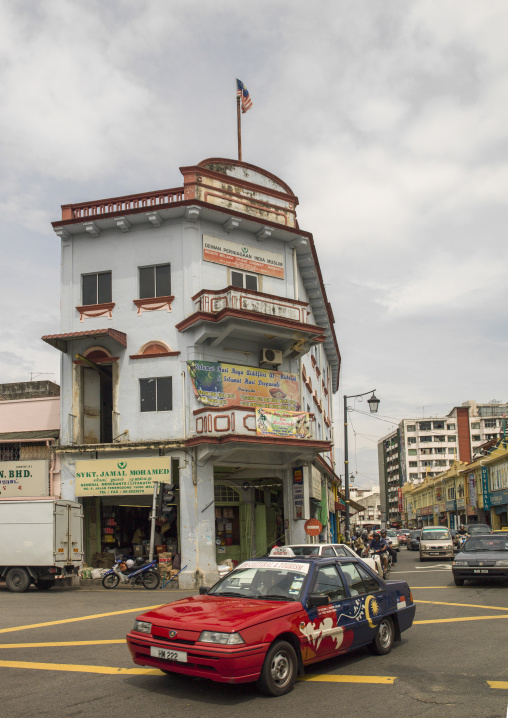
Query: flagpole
point(239, 126)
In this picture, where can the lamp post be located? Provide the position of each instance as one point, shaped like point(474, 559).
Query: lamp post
point(373, 403)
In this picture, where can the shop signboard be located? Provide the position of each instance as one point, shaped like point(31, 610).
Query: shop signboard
point(442, 507)
point(121, 477)
point(315, 484)
point(24, 478)
point(436, 508)
point(220, 384)
point(450, 505)
point(499, 477)
point(461, 504)
point(485, 487)
point(426, 511)
point(499, 498)
point(240, 256)
point(298, 500)
point(472, 490)
point(277, 422)
point(399, 491)
point(452, 521)
point(331, 502)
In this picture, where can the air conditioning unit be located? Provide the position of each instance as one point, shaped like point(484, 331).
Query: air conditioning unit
point(271, 357)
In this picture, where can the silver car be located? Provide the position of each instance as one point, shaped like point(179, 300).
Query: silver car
point(436, 542)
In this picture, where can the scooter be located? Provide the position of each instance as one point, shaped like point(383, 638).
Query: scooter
point(139, 573)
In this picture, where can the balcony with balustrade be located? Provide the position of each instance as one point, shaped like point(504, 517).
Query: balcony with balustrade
point(248, 315)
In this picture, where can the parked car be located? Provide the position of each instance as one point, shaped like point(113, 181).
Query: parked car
point(482, 556)
point(327, 549)
point(413, 543)
point(270, 617)
point(436, 542)
point(473, 529)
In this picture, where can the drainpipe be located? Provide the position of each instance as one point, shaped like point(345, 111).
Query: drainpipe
point(295, 273)
point(51, 467)
point(183, 407)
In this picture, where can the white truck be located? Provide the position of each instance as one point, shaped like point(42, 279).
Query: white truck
point(41, 542)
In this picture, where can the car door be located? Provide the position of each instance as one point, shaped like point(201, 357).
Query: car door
point(368, 601)
point(328, 630)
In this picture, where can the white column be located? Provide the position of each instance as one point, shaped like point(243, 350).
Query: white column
point(296, 532)
point(197, 525)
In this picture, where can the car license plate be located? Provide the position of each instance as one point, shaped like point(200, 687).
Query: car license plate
point(480, 570)
point(168, 655)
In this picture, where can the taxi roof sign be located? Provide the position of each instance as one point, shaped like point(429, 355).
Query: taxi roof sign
point(282, 551)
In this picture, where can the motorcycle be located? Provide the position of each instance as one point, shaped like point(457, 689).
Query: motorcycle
point(137, 573)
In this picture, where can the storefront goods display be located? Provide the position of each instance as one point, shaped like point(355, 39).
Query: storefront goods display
point(219, 384)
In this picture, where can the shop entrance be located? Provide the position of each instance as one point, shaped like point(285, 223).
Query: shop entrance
point(97, 404)
point(249, 517)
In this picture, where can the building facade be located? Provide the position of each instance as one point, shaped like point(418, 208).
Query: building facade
point(421, 449)
point(198, 349)
point(29, 430)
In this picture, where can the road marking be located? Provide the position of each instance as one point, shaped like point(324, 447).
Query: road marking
point(110, 670)
point(466, 605)
point(81, 618)
point(412, 587)
point(499, 684)
point(423, 570)
point(457, 620)
point(384, 680)
point(61, 643)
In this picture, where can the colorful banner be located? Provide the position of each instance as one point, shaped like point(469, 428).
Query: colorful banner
point(298, 496)
point(485, 488)
point(240, 256)
point(276, 422)
point(218, 384)
point(472, 490)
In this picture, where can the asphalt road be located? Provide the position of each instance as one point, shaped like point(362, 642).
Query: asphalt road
point(453, 662)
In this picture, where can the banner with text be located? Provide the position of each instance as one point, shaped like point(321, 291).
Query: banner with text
point(240, 256)
point(219, 384)
point(276, 422)
point(121, 477)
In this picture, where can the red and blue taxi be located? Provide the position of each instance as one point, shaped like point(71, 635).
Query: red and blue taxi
point(269, 618)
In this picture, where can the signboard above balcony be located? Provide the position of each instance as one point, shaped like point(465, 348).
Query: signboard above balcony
point(219, 384)
point(243, 257)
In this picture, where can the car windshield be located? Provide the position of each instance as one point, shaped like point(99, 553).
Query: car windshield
point(391, 533)
point(486, 543)
point(415, 534)
point(277, 580)
point(479, 530)
point(309, 550)
point(435, 535)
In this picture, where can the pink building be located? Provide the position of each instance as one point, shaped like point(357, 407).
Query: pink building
point(29, 431)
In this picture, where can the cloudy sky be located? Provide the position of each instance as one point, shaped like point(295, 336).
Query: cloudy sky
point(388, 120)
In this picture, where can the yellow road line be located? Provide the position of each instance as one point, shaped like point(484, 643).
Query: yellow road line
point(457, 620)
point(498, 684)
point(465, 605)
point(411, 587)
point(384, 680)
point(61, 643)
point(110, 670)
point(80, 618)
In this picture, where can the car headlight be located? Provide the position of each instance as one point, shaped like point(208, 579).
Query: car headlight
point(224, 639)
point(142, 626)
point(459, 563)
point(449, 545)
point(423, 546)
point(501, 563)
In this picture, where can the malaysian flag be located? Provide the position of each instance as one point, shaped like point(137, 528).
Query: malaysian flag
point(243, 93)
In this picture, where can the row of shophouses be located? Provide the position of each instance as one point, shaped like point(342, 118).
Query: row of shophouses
point(467, 492)
point(197, 348)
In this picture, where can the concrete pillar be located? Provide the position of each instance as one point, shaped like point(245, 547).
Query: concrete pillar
point(296, 532)
point(197, 525)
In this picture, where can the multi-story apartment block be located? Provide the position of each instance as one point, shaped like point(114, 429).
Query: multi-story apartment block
point(370, 512)
point(198, 348)
point(423, 448)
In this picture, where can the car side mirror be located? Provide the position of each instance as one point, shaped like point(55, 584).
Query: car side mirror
point(203, 590)
point(316, 599)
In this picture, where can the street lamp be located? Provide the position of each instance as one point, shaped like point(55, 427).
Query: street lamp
point(373, 403)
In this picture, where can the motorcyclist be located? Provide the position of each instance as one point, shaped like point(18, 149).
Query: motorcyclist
point(462, 531)
point(391, 551)
point(379, 546)
point(359, 544)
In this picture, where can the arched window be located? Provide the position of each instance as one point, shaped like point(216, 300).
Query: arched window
point(154, 348)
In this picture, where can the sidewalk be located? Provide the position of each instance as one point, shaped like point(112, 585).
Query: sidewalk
point(96, 583)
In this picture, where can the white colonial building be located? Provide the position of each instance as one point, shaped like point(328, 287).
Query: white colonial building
point(198, 347)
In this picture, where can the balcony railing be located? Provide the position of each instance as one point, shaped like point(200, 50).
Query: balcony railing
point(215, 301)
point(146, 200)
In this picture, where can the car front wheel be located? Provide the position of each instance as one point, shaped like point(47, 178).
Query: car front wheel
point(278, 674)
point(458, 581)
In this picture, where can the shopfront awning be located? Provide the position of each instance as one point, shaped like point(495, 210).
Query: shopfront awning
point(61, 341)
point(30, 435)
point(352, 504)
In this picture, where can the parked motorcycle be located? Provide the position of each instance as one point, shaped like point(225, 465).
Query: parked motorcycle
point(137, 573)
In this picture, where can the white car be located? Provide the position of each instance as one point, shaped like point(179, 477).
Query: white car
point(392, 535)
point(328, 549)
